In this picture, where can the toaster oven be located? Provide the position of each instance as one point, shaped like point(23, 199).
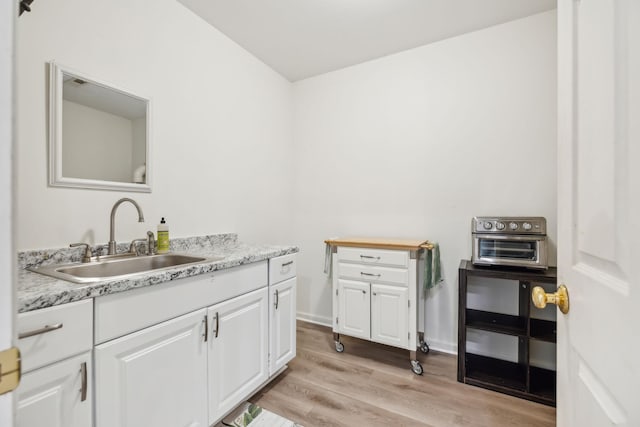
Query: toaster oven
point(509, 241)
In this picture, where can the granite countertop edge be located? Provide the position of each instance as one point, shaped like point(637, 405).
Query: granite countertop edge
point(36, 291)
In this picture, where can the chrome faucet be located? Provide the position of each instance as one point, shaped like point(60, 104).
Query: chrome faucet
point(112, 241)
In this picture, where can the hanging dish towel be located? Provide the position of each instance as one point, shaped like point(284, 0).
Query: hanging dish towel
point(432, 270)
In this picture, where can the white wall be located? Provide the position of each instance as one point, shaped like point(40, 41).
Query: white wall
point(221, 153)
point(97, 145)
point(414, 144)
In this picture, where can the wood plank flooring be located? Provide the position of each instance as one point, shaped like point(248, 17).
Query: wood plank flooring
point(372, 385)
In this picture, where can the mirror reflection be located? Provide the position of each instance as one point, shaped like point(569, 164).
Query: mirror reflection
point(100, 134)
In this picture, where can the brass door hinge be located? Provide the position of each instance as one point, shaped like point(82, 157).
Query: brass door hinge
point(9, 370)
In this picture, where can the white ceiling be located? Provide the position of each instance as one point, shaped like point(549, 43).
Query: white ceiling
point(304, 38)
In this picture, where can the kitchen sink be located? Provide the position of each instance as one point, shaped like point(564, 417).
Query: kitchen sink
point(119, 267)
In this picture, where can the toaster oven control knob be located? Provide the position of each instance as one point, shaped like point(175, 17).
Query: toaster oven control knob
point(513, 225)
point(500, 225)
point(487, 225)
point(526, 226)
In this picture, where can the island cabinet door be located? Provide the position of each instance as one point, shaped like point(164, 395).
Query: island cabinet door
point(154, 377)
point(238, 350)
point(354, 308)
point(389, 315)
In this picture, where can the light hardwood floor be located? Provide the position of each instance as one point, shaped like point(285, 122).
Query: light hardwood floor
point(372, 385)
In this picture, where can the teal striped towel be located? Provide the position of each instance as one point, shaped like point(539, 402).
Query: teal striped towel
point(432, 269)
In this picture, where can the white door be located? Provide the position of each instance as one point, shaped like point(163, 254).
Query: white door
point(282, 324)
point(8, 13)
point(238, 350)
point(53, 396)
point(389, 315)
point(354, 309)
point(599, 212)
point(155, 377)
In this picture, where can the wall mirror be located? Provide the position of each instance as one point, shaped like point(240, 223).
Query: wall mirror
point(98, 134)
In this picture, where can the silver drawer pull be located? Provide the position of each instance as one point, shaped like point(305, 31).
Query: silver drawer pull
point(287, 263)
point(44, 330)
point(369, 274)
point(377, 258)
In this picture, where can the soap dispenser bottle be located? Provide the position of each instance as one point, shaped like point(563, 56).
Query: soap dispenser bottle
point(163, 237)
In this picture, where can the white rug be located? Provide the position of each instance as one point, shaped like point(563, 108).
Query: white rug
point(254, 416)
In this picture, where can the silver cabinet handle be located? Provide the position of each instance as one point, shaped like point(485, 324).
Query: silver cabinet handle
point(215, 331)
point(369, 274)
point(377, 258)
point(43, 330)
point(277, 299)
point(287, 263)
point(206, 328)
point(83, 376)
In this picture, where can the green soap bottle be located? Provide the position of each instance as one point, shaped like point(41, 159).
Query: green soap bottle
point(163, 237)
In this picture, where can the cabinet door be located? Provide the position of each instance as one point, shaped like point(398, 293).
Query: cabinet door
point(238, 350)
point(354, 309)
point(52, 396)
point(389, 315)
point(282, 322)
point(154, 377)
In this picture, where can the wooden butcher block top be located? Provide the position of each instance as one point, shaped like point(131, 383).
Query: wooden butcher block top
point(380, 243)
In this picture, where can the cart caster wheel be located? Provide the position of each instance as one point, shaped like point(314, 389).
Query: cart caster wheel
point(339, 347)
point(424, 347)
point(416, 367)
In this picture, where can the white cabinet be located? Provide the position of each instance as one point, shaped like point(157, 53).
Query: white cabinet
point(354, 302)
point(389, 314)
point(56, 387)
point(155, 377)
point(375, 295)
point(237, 351)
point(373, 312)
point(56, 396)
point(159, 367)
point(282, 309)
point(282, 324)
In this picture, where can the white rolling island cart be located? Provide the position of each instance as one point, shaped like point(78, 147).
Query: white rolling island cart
point(377, 292)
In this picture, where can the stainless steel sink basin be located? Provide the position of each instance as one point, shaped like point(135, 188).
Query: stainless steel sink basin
point(119, 267)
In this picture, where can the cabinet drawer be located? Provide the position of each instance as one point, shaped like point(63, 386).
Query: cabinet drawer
point(282, 268)
point(55, 333)
point(374, 256)
point(368, 273)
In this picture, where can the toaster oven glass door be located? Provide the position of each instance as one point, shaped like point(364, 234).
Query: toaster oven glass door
point(513, 250)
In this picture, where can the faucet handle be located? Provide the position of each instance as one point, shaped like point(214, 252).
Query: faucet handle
point(133, 248)
point(87, 251)
point(151, 243)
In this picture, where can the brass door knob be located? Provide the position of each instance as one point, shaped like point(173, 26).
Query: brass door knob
point(560, 298)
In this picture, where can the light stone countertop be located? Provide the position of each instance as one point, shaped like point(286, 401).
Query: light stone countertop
point(37, 291)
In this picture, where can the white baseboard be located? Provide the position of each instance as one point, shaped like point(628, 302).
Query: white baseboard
point(311, 318)
point(442, 346)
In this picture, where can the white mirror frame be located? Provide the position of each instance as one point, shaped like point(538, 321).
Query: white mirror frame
point(56, 71)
